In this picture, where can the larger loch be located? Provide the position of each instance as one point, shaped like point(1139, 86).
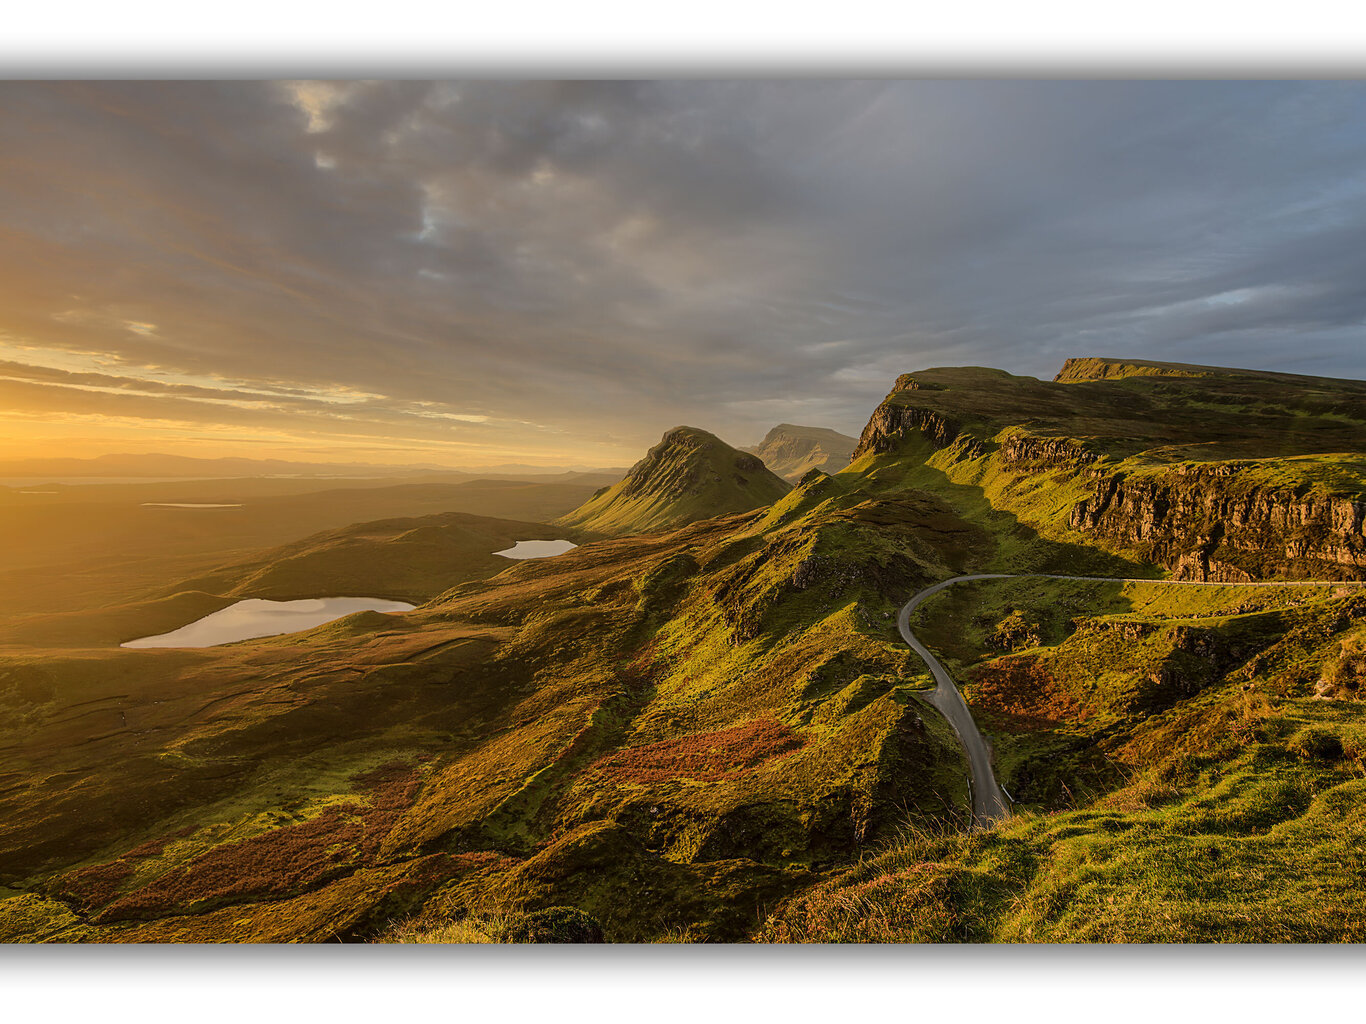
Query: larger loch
point(257, 617)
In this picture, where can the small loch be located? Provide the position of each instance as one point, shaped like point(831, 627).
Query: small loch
point(257, 617)
point(188, 504)
point(537, 549)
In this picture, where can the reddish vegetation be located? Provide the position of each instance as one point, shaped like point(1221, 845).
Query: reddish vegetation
point(1018, 695)
point(276, 863)
point(393, 788)
point(281, 862)
point(705, 757)
point(151, 848)
point(94, 886)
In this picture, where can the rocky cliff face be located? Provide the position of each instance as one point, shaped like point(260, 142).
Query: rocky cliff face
point(892, 423)
point(1204, 525)
point(1029, 451)
point(1215, 474)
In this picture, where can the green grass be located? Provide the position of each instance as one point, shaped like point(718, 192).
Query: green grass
point(1232, 815)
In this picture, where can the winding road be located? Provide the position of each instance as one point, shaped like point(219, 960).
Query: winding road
point(989, 802)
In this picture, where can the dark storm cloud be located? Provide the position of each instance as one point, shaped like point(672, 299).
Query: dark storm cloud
point(593, 259)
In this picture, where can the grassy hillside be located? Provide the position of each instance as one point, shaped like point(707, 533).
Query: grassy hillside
point(714, 732)
point(1189, 766)
point(689, 475)
point(670, 732)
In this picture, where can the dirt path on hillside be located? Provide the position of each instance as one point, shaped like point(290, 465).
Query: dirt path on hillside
point(989, 802)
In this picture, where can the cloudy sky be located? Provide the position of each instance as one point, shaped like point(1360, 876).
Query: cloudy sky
point(482, 272)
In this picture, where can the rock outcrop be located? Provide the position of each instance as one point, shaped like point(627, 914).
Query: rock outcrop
point(1203, 525)
point(1029, 451)
point(892, 423)
point(1219, 475)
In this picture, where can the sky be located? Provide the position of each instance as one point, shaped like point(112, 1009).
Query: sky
point(554, 273)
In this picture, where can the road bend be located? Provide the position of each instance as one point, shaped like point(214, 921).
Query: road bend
point(989, 802)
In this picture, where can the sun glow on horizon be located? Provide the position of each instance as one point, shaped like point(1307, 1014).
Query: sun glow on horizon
point(77, 403)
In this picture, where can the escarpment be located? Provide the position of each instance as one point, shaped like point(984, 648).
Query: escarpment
point(1203, 525)
point(1218, 475)
point(1023, 450)
point(892, 423)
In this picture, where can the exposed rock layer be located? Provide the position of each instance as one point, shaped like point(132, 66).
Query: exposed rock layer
point(1204, 526)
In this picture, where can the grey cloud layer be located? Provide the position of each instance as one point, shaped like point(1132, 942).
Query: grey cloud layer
point(612, 259)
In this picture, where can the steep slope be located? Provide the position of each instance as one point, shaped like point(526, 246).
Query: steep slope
point(689, 475)
point(792, 451)
point(1192, 758)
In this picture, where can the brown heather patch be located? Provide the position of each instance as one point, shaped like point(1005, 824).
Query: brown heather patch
point(93, 886)
point(703, 757)
point(151, 848)
point(1019, 695)
point(283, 861)
point(393, 788)
point(276, 863)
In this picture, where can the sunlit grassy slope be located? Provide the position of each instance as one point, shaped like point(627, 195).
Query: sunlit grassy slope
point(670, 731)
point(714, 732)
point(1189, 767)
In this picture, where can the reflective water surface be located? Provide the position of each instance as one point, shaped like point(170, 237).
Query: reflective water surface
point(537, 549)
point(188, 504)
point(257, 617)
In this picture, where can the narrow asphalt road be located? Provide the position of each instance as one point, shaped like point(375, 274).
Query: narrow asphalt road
point(989, 802)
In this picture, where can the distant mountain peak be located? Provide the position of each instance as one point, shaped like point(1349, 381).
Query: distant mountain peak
point(791, 450)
